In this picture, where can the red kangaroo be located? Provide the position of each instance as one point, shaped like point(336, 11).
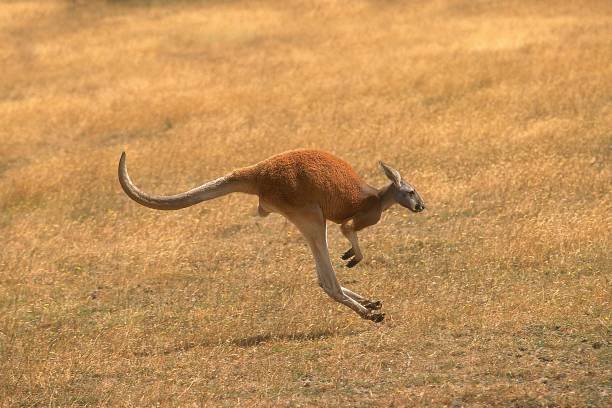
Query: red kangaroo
point(308, 187)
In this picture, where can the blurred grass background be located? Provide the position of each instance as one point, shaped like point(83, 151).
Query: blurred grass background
point(499, 112)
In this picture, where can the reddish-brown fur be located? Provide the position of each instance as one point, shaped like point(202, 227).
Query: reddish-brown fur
point(305, 177)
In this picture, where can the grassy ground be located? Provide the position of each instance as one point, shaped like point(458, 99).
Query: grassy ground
point(499, 112)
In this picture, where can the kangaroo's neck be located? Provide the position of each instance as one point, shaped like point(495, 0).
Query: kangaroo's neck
point(386, 195)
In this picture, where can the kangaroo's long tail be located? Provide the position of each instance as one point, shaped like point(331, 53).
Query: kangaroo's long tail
point(213, 189)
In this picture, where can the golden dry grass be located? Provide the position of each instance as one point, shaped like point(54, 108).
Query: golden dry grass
point(500, 112)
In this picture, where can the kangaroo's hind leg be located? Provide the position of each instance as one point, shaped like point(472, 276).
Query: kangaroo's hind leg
point(365, 302)
point(312, 225)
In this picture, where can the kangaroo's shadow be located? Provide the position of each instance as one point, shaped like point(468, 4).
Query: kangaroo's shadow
point(303, 336)
point(251, 341)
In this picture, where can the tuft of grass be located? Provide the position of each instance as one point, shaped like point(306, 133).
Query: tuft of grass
point(499, 114)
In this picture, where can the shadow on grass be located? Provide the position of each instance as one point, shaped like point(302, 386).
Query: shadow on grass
point(250, 341)
point(265, 338)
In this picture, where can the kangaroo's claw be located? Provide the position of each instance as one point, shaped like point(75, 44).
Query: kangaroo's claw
point(348, 254)
point(353, 262)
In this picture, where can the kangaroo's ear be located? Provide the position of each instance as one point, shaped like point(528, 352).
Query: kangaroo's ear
point(391, 173)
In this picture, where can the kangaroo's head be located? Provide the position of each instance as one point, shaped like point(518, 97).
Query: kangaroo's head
point(402, 192)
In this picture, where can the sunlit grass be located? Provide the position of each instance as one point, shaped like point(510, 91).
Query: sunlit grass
point(499, 113)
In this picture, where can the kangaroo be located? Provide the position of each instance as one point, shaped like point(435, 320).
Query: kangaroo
point(308, 187)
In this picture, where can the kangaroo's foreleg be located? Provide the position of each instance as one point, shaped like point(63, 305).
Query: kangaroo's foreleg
point(354, 251)
point(349, 229)
point(311, 224)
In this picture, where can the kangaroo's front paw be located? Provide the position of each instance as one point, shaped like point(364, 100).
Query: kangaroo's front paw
point(348, 254)
point(353, 262)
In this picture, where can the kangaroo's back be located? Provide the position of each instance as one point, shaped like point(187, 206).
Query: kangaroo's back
point(302, 177)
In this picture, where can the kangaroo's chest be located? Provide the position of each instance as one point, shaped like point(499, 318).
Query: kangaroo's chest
point(359, 206)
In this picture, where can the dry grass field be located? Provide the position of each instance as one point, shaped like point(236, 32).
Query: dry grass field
point(499, 112)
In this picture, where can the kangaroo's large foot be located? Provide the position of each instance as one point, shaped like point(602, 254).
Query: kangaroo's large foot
point(376, 317)
point(372, 304)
